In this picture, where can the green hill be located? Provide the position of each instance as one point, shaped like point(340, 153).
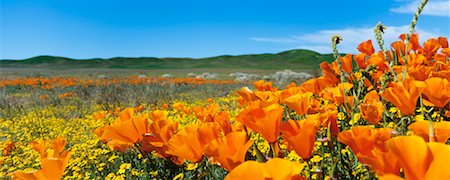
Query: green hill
point(293, 59)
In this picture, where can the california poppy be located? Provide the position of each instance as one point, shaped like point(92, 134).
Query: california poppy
point(223, 120)
point(229, 150)
point(316, 85)
point(189, 142)
point(301, 136)
point(267, 97)
point(430, 47)
point(422, 129)
point(437, 91)
point(53, 161)
point(299, 102)
point(99, 115)
point(265, 120)
point(338, 94)
point(262, 85)
point(330, 72)
point(360, 139)
point(404, 94)
point(366, 47)
point(157, 138)
point(347, 63)
point(275, 168)
point(125, 131)
point(372, 108)
point(246, 95)
point(413, 40)
point(421, 160)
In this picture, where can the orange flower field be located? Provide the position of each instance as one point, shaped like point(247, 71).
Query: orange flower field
point(378, 114)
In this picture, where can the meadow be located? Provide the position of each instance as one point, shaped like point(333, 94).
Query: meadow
point(372, 115)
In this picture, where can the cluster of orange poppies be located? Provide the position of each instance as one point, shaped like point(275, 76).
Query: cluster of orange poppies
point(412, 79)
point(52, 82)
point(391, 110)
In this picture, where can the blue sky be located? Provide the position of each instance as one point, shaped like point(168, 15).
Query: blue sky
point(202, 28)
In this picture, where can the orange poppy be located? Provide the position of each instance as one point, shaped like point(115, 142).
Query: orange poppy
point(420, 72)
point(430, 47)
point(301, 136)
point(267, 97)
point(443, 41)
point(99, 115)
point(246, 95)
point(160, 131)
point(299, 102)
point(422, 129)
point(223, 120)
point(413, 40)
point(53, 160)
point(229, 150)
point(404, 94)
point(360, 139)
point(399, 48)
point(206, 114)
point(265, 120)
point(125, 131)
point(372, 108)
point(381, 161)
point(363, 139)
point(328, 119)
point(188, 143)
point(275, 168)
point(421, 160)
point(262, 85)
point(347, 63)
point(366, 47)
point(157, 115)
point(290, 91)
point(437, 91)
point(330, 72)
point(316, 85)
point(378, 61)
point(360, 60)
point(338, 94)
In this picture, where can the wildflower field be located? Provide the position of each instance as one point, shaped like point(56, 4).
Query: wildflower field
point(378, 114)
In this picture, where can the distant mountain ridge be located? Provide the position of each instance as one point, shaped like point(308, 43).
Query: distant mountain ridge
point(292, 59)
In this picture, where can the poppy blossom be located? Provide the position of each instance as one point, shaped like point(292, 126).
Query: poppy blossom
point(125, 131)
point(404, 94)
point(366, 47)
point(265, 120)
point(422, 129)
point(275, 168)
point(421, 160)
point(301, 136)
point(430, 47)
point(229, 150)
point(157, 138)
point(437, 91)
point(316, 85)
point(372, 108)
point(362, 139)
point(189, 142)
point(347, 63)
point(53, 160)
point(299, 102)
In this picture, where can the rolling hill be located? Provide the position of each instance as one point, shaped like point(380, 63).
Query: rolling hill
point(293, 59)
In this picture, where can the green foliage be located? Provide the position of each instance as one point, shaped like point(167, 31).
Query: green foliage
point(305, 59)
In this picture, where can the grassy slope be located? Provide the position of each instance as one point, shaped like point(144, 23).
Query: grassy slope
point(294, 59)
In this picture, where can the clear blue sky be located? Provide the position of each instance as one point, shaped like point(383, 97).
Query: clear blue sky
point(200, 28)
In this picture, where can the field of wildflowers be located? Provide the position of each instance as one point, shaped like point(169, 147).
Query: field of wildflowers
point(377, 114)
